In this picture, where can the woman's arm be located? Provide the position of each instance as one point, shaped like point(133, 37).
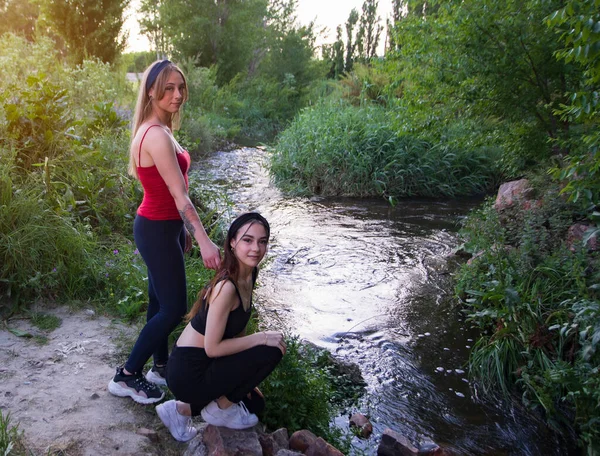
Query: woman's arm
point(159, 146)
point(222, 300)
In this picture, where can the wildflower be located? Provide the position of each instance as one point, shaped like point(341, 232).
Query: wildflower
point(115, 251)
point(136, 252)
point(53, 269)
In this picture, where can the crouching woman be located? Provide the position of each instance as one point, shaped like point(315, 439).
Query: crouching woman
point(214, 369)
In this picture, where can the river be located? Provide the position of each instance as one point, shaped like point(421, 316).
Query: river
point(372, 284)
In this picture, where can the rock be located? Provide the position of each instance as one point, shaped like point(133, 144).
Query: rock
point(287, 453)
point(301, 440)
point(576, 234)
point(511, 192)
point(282, 437)
point(321, 448)
point(272, 443)
point(531, 204)
point(152, 435)
point(221, 441)
point(394, 444)
point(340, 367)
point(196, 446)
point(433, 449)
point(361, 422)
point(95, 396)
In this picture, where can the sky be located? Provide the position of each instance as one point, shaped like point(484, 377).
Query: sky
point(325, 13)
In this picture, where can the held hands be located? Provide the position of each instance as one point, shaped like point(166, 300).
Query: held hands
point(211, 255)
point(274, 339)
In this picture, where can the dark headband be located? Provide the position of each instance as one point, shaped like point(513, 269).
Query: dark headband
point(245, 218)
point(154, 72)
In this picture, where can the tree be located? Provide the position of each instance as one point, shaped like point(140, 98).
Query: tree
point(493, 63)
point(225, 33)
point(397, 7)
point(89, 28)
point(336, 56)
point(369, 31)
point(288, 48)
point(19, 17)
point(350, 46)
point(579, 25)
point(150, 26)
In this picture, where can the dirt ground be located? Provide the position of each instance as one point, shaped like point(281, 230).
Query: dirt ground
point(54, 385)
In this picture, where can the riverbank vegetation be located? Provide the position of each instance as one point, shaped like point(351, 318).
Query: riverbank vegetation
point(465, 95)
point(67, 204)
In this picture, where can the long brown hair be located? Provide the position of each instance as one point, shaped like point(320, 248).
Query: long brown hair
point(229, 268)
point(143, 106)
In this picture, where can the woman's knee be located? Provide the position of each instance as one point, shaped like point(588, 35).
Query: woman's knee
point(272, 355)
point(173, 315)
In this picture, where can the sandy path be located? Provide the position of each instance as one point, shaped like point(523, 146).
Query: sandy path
point(58, 391)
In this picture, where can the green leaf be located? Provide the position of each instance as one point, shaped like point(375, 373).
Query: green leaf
point(19, 333)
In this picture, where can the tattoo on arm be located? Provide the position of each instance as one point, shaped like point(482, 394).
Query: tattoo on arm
point(189, 215)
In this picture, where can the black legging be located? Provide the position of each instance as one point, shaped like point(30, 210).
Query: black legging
point(161, 244)
point(196, 379)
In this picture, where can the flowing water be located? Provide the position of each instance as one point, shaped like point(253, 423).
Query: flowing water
point(372, 284)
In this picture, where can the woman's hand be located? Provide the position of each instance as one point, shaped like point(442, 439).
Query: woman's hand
point(275, 339)
point(211, 255)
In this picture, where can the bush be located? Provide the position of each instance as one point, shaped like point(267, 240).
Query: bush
point(42, 253)
point(337, 149)
point(537, 304)
point(299, 394)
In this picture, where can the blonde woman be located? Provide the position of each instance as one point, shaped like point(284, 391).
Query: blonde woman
point(165, 222)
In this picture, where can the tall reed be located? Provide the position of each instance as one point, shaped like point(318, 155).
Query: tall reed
point(334, 148)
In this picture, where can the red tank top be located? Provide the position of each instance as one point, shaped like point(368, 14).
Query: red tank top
point(158, 204)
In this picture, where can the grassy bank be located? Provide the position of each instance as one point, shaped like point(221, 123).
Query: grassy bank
point(337, 149)
point(536, 300)
point(67, 207)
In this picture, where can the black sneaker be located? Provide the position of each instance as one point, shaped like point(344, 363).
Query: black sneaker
point(135, 386)
point(157, 375)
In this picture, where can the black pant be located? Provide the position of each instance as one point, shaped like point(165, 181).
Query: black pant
point(161, 244)
point(195, 378)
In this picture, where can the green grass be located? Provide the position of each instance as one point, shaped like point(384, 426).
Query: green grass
point(537, 304)
point(10, 437)
point(44, 321)
point(336, 149)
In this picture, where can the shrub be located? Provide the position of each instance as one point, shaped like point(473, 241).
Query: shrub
point(537, 305)
point(299, 393)
point(338, 149)
point(42, 253)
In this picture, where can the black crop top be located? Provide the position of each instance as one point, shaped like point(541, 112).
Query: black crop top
point(236, 321)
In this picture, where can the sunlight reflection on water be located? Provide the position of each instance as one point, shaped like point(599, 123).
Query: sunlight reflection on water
point(371, 283)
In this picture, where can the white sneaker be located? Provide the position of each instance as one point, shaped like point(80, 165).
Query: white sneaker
point(157, 376)
point(180, 426)
point(235, 417)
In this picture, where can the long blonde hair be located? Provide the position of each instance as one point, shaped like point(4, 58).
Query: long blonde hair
point(143, 106)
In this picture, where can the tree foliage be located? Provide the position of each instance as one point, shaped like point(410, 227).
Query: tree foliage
point(89, 28)
point(225, 33)
point(19, 17)
point(362, 38)
point(485, 60)
point(579, 25)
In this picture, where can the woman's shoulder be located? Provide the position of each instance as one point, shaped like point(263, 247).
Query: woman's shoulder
point(151, 130)
point(152, 136)
point(224, 292)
